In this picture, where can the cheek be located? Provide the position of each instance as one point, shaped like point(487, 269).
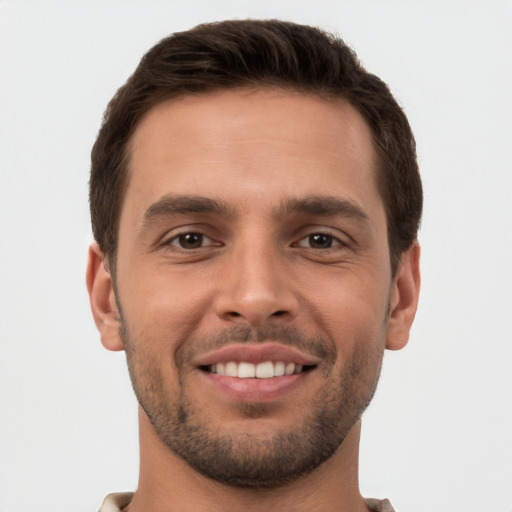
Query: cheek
point(354, 320)
point(165, 307)
point(348, 304)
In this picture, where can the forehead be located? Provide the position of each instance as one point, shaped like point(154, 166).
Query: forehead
point(242, 144)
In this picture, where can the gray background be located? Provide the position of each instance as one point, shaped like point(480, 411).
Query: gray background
point(437, 436)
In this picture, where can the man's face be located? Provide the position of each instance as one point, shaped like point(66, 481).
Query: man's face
point(253, 279)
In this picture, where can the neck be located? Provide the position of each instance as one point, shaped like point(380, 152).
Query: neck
point(167, 483)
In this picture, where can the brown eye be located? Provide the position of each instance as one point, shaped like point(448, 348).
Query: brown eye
point(190, 241)
point(320, 241)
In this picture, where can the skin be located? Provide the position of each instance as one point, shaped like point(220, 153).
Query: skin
point(260, 269)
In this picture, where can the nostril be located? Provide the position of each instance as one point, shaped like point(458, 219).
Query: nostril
point(279, 313)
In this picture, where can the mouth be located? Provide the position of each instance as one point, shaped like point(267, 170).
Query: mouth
point(256, 372)
point(264, 370)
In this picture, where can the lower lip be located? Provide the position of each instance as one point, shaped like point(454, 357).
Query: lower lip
point(253, 389)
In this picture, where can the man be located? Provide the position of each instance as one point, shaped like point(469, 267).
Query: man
point(255, 202)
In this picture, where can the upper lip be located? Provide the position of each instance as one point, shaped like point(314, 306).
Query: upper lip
point(256, 353)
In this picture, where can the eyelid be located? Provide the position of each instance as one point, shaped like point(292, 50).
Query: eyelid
point(336, 242)
point(172, 236)
point(338, 239)
point(205, 239)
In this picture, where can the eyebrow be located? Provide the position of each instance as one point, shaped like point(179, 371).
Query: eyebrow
point(328, 206)
point(183, 204)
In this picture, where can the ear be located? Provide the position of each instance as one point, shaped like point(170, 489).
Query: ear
point(102, 299)
point(404, 298)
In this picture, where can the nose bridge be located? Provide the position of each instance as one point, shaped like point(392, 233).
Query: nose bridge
point(255, 285)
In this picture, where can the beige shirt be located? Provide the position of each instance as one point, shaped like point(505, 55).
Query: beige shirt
point(116, 501)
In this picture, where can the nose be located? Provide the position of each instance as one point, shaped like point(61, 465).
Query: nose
point(256, 288)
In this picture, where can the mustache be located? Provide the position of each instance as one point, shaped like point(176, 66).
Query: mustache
point(314, 345)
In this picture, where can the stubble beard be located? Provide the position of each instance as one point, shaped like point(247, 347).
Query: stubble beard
point(272, 459)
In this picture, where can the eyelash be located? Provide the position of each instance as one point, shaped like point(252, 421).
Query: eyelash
point(178, 239)
point(333, 241)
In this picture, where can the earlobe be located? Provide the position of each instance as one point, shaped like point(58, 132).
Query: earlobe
point(102, 299)
point(404, 298)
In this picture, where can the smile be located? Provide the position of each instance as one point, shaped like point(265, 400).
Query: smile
point(256, 372)
point(263, 370)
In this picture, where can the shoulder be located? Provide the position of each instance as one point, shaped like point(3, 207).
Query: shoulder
point(116, 501)
point(379, 505)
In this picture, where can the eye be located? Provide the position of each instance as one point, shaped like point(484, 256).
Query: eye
point(319, 241)
point(190, 241)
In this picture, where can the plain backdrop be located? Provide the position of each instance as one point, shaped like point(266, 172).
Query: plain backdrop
point(438, 434)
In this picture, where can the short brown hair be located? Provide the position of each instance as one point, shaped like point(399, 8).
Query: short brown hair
point(256, 53)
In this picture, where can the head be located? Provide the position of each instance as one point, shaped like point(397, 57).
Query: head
point(255, 201)
point(252, 54)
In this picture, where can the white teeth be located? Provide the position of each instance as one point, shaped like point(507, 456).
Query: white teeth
point(231, 369)
point(246, 370)
point(264, 370)
point(278, 369)
point(289, 369)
